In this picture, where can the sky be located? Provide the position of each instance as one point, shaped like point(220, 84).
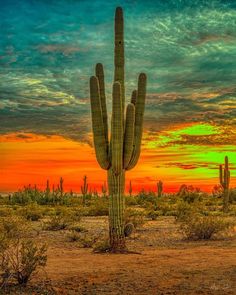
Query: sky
point(48, 50)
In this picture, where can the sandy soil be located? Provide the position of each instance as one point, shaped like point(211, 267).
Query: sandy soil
point(167, 264)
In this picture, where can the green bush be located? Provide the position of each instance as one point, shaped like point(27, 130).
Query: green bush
point(102, 246)
point(134, 216)
point(85, 240)
point(5, 211)
point(98, 207)
point(20, 260)
point(31, 212)
point(153, 214)
point(57, 222)
point(199, 227)
point(20, 256)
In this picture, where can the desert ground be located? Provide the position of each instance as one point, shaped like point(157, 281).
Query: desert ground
point(163, 262)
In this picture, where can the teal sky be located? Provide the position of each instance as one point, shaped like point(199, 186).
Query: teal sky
point(48, 50)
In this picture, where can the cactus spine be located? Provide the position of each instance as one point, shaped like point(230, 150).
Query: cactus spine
point(121, 153)
point(224, 175)
point(84, 189)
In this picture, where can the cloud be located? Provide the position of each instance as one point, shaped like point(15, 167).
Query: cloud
point(48, 52)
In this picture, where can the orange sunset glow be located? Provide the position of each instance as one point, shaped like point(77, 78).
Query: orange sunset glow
point(32, 159)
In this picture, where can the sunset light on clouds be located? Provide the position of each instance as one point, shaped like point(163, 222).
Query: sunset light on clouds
point(47, 53)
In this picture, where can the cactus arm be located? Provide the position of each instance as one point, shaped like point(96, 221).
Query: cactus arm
point(134, 97)
point(119, 59)
point(129, 134)
point(117, 130)
point(100, 76)
point(139, 111)
point(100, 143)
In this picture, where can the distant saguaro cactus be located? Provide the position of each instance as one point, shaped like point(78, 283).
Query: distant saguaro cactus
point(159, 188)
point(60, 187)
point(130, 189)
point(224, 175)
point(84, 189)
point(122, 152)
point(47, 190)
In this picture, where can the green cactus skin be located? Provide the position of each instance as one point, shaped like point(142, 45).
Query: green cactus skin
point(84, 189)
point(224, 175)
point(123, 150)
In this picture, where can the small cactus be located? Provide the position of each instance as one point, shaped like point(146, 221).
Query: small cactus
point(84, 189)
point(60, 187)
point(47, 190)
point(224, 175)
point(130, 189)
point(159, 188)
point(128, 229)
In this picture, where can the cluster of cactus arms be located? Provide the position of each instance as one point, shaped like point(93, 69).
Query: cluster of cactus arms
point(84, 189)
point(122, 151)
point(224, 174)
point(159, 188)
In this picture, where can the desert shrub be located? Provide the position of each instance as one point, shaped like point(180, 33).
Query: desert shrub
point(131, 201)
point(20, 256)
point(183, 211)
point(85, 240)
point(102, 246)
point(199, 227)
point(134, 216)
point(56, 222)
point(13, 227)
point(5, 211)
point(99, 207)
point(153, 214)
point(143, 198)
point(63, 218)
point(31, 212)
point(166, 209)
point(73, 236)
point(20, 260)
point(30, 194)
point(189, 193)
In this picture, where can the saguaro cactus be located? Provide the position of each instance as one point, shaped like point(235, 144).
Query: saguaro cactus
point(159, 188)
point(224, 181)
point(84, 189)
point(122, 151)
point(130, 188)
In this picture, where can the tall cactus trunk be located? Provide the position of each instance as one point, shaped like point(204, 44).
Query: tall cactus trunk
point(116, 184)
